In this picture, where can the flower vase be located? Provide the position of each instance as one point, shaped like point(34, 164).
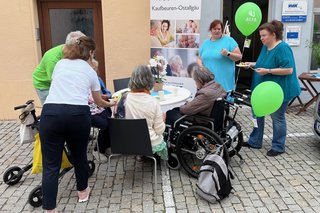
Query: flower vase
point(158, 86)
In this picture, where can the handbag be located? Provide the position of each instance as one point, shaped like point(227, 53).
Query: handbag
point(37, 158)
point(27, 134)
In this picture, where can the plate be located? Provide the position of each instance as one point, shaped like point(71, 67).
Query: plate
point(242, 65)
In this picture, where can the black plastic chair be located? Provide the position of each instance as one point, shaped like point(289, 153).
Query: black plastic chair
point(120, 84)
point(134, 141)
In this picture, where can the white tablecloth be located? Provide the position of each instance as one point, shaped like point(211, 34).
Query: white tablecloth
point(171, 100)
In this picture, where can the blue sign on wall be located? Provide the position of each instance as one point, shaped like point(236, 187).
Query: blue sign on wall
point(294, 18)
point(292, 35)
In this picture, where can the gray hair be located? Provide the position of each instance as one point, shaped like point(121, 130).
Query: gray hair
point(202, 75)
point(192, 67)
point(73, 36)
point(174, 59)
point(141, 78)
point(154, 24)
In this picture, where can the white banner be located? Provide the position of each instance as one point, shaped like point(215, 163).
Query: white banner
point(175, 9)
point(174, 34)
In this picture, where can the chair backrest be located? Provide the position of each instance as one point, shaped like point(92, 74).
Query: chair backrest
point(120, 84)
point(129, 136)
point(218, 113)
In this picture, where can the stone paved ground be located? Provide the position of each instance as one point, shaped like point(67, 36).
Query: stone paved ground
point(286, 183)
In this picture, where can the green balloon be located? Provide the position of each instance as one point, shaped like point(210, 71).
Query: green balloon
point(266, 98)
point(248, 18)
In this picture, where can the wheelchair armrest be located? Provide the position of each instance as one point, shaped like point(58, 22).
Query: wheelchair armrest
point(193, 120)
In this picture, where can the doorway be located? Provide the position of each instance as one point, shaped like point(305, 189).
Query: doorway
point(58, 18)
point(249, 54)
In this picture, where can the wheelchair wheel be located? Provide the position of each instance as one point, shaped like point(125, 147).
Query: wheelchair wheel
point(316, 128)
point(92, 167)
point(12, 176)
point(35, 197)
point(193, 145)
point(236, 144)
point(316, 112)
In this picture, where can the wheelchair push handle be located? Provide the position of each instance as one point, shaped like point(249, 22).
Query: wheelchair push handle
point(242, 102)
point(238, 98)
point(236, 94)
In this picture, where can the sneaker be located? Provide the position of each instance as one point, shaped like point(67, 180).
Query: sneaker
point(84, 195)
point(99, 157)
point(273, 153)
point(51, 211)
point(246, 144)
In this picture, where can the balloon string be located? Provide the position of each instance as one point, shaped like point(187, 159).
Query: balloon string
point(238, 72)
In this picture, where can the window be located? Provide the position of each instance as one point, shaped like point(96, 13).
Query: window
point(315, 44)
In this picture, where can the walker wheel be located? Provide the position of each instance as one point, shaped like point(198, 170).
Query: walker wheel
point(35, 197)
point(173, 162)
point(92, 167)
point(12, 176)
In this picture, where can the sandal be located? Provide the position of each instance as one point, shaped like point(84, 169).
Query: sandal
point(84, 195)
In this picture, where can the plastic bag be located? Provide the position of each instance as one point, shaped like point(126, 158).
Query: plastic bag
point(37, 158)
point(27, 134)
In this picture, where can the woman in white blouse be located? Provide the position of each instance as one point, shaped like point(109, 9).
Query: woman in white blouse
point(65, 117)
point(140, 104)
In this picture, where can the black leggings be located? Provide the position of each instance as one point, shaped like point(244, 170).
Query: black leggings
point(101, 121)
point(173, 115)
point(62, 123)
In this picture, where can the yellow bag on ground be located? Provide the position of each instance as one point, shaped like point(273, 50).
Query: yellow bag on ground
point(37, 158)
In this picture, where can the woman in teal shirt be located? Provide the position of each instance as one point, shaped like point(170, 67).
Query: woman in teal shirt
point(275, 63)
point(218, 54)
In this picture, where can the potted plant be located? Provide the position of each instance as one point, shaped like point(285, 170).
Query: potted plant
point(315, 47)
point(158, 66)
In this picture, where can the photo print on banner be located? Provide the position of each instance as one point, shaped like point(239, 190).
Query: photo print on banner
point(175, 37)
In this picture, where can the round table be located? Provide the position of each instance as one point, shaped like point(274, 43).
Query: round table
point(171, 99)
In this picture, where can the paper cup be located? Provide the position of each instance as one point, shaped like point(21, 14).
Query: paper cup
point(175, 91)
point(161, 95)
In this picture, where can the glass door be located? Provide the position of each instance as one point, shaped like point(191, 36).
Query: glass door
point(58, 18)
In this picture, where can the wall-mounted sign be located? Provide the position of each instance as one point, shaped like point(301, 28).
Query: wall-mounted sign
point(293, 35)
point(294, 11)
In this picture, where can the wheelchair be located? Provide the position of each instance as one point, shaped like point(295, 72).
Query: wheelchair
point(192, 137)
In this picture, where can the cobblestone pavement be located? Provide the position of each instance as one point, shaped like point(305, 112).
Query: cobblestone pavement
point(286, 183)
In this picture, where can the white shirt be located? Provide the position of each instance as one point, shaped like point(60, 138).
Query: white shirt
point(142, 105)
point(71, 81)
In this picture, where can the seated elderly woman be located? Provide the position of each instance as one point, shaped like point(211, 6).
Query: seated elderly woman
point(202, 104)
point(99, 118)
point(140, 104)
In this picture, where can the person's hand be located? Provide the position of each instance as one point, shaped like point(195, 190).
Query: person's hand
point(105, 96)
point(262, 71)
point(224, 52)
point(112, 102)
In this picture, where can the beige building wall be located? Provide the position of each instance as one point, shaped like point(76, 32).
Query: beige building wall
point(19, 55)
point(126, 36)
point(126, 44)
